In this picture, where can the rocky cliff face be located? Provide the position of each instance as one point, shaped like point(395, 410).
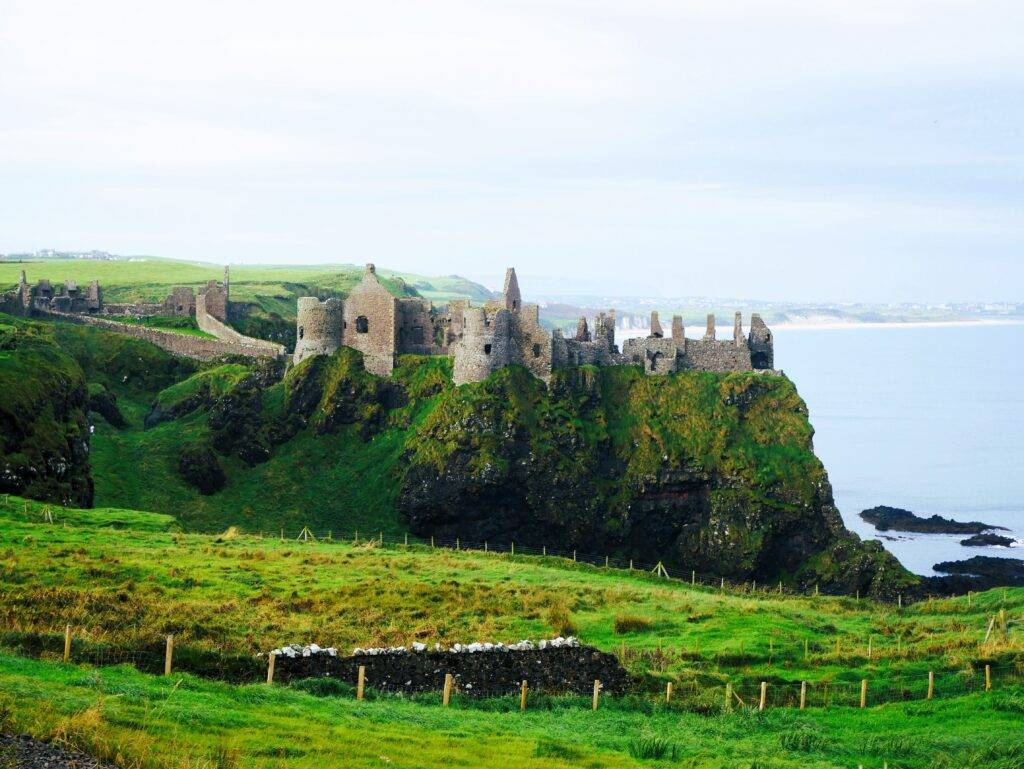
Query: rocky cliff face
point(700, 471)
point(44, 424)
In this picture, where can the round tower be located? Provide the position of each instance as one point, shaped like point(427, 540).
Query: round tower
point(317, 327)
point(485, 345)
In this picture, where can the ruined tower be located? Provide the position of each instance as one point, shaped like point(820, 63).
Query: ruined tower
point(318, 327)
point(485, 345)
point(762, 347)
point(656, 331)
point(510, 292)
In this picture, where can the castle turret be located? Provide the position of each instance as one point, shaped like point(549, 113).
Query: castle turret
point(656, 331)
point(582, 330)
point(513, 299)
point(318, 327)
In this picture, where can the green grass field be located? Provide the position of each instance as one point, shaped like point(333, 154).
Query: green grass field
point(273, 288)
point(124, 578)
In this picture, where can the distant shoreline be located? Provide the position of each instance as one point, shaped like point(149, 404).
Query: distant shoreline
point(853, 324)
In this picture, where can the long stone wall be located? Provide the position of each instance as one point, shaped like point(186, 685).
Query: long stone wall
point(225, 333)
point(492, 673)
point(176, 344)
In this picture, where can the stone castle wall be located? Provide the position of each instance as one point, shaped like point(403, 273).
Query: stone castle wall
point(185, 345)
point(505, 331)
point(370, 323)
point(211, 325)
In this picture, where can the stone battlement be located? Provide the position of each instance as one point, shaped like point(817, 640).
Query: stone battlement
point(505, 332)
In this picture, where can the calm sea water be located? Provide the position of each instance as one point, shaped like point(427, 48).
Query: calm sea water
point(930, 419)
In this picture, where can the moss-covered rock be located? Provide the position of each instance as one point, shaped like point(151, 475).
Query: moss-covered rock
point(44, 424)
point(199, 466)
point(713, 472)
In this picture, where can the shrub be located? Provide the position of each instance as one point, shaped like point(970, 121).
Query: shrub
point(561, 620)
point(630, 623)
point(653, 748)
point(802, 739)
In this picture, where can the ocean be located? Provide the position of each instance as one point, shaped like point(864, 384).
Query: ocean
point(927, 418)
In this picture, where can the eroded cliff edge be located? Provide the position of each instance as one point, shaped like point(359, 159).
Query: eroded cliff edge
point(712, 472)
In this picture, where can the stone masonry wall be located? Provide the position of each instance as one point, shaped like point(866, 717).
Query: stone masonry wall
point(176, 344)
point(225, 333)
point(715, 355)
point(495, 673)
point(371, 317)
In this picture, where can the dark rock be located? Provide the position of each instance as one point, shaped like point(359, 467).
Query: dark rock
point(199, 467)
point(987, 540)
point(492, 673)
point(237, 423)
point(986, 571)
point(104, 403)
point(895, 519)
point(26, 752)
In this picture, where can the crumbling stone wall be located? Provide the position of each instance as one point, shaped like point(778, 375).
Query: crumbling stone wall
point(223, 332)
point(484, 346)
point(370, 322)
point(185, 345)
point(554, 670)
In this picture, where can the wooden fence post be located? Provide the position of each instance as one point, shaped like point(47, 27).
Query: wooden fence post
point(722, 586)
point(597, 692)
point(803, 695)
point(447, 694)
point(899, 601)
point(360, 682)
point(988, 678)
point(67, 643)
point(574, 556)
point(668, 692)
point(864, 692)
point(522, 695)
point(407, 539)
point(728, 696)
point(869, 648)
point(606, 562)
point(764, 695)
point(270, 668)
point(931, 684)
point(631, 564)
point(693, 577)
point(168, 655)
point(513, 548)
point(457, 544)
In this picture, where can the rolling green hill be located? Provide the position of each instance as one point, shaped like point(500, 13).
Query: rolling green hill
point(123, 579)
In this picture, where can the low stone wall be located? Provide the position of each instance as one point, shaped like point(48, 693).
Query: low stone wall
point(225, 333)
point(562, 670)
point(177, 344)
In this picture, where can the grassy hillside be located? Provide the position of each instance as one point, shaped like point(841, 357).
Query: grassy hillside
point(122, 579)
point(272, 288)
point(132, 578)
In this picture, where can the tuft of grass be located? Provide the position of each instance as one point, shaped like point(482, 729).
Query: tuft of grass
point(560, 621)
point(556, 749)
point(631, 623)
point(652, 748)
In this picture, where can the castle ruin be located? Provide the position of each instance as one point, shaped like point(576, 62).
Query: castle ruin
point(505, 332)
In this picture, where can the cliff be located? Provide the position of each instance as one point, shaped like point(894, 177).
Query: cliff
point(44, 424)
point(713, 472)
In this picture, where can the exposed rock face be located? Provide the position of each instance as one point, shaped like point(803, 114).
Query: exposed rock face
point(104, 403)
point(494, 673)
point(700, 471)
point(896, 519)
point(44, 425)
point(200, 468)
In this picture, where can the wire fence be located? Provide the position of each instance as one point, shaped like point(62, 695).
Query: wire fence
point(701, 693)
point(636, 567)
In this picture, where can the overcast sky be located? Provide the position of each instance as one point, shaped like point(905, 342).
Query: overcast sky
point(805, 150)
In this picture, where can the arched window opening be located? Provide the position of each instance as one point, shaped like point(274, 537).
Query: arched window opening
point(487, 349)
point(302, 331)
point(362, 324)
point(536, 351)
